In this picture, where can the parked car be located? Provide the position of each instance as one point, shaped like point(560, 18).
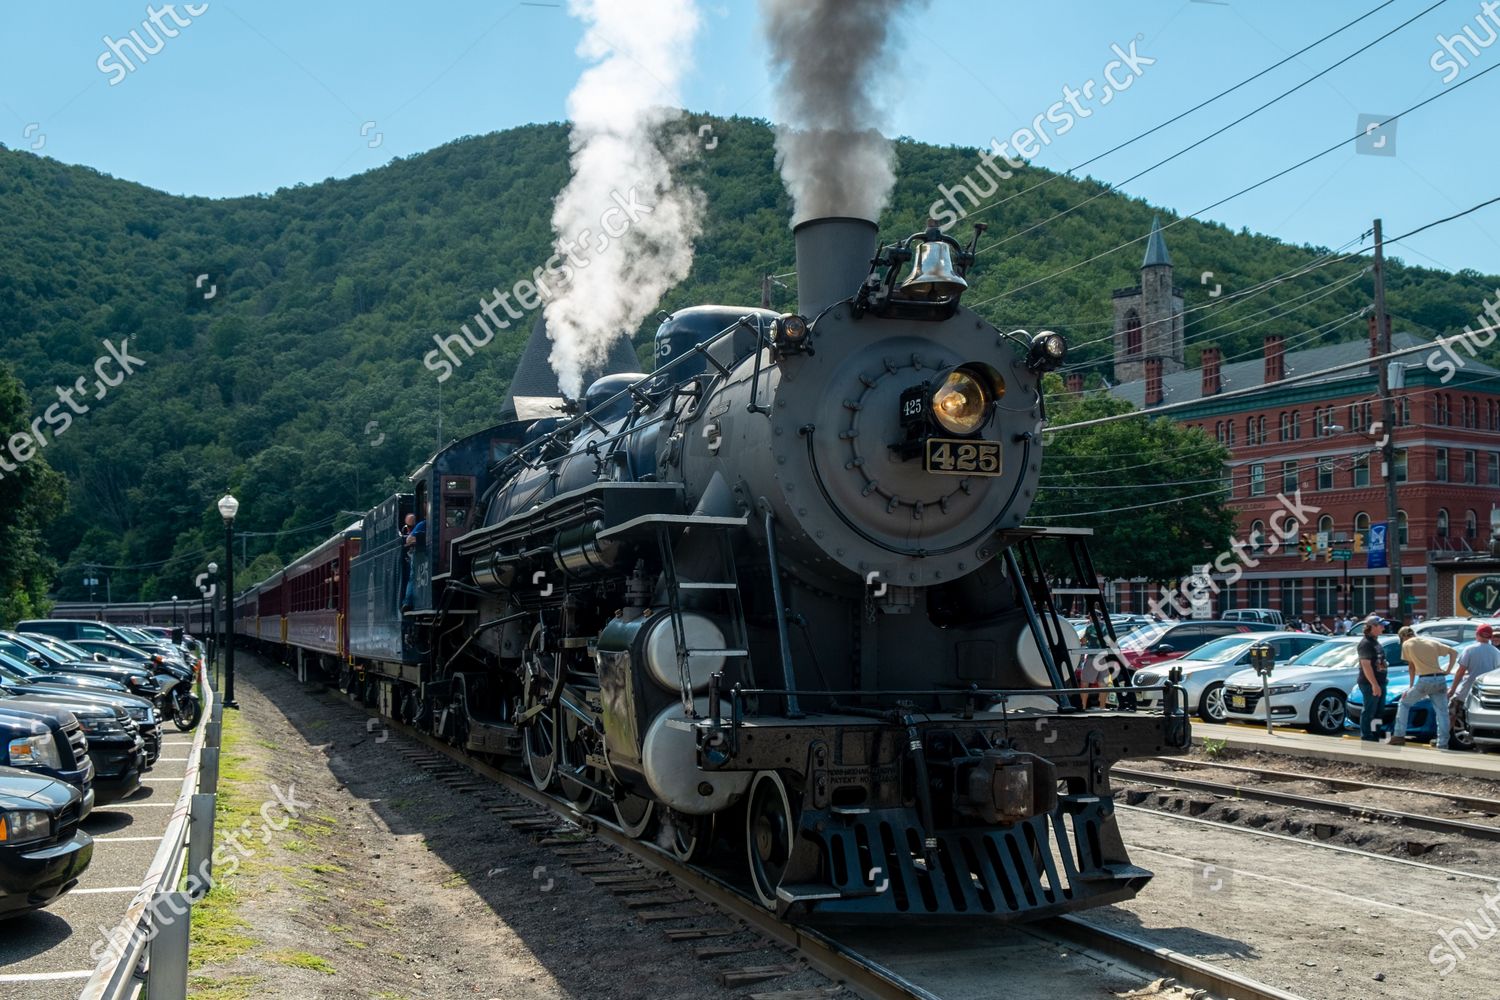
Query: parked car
point(71, 629)
point(42, 850)
point(17, 676)
point(1267, 616)
point(17, 661)
point(1311, 690)
point(112, 739)
point(1205, 669)
point(157, 663)
point(1483, 708)
point(1162, 641)
point(154, 644)
point(49, 741)
point(1450, 630)
point(63, 658)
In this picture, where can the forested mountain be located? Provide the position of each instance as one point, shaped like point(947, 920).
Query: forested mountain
point(293, 373)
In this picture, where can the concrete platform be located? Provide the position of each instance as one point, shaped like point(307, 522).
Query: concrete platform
point(1419, 757)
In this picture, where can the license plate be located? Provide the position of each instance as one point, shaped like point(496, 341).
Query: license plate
point(1237, 701)
point(958, 457)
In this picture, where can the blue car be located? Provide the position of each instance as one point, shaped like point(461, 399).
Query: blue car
point(1421, 723)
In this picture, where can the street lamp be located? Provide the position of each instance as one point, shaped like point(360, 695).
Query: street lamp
point(228, 508)
point(212, 599)
point(174, 610)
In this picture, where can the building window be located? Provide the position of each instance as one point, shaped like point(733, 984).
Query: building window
point(1471, 459)
point(1362, 595)
point(1404, 414)
point(1361, 523)
point(1401, 466)
point(1249, 430)
point(1471, 525)
point(1361, 471)
point(1296, 426)
point(1402, 537)
point(1258, 593)
point(1226, 599)
point(1440, 457)
point(1260, 429)
point(1325, 527)
point(1285, 431)
point(1326, 597)
point(1229, 426)
point(1289, 477)
point(1257, 542)
point(1257, 480)
point(1325, 474)
point(1442, 522)
point(1291, 598)
point(1494, 468)
point(1132, 333)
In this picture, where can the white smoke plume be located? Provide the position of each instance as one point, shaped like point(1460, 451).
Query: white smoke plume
point(622, 179)
point(827, 57)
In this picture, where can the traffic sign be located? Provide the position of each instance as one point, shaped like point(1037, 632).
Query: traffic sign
point(1344, 555)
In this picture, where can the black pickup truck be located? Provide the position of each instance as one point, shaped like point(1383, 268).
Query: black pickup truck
point(48, 741)
point(42, 850)
point(114, 741)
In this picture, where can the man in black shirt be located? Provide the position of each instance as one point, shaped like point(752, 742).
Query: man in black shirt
point(1371, 678)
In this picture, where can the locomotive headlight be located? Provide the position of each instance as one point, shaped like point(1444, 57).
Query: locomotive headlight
point(1047, 351)
point(789, 334)
point(961, 403)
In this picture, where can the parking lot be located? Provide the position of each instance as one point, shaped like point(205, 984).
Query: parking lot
point(45, 955)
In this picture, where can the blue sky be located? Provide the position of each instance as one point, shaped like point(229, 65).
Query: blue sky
point(251, 97)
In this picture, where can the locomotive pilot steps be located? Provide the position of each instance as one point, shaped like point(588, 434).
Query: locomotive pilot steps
point(776, 599)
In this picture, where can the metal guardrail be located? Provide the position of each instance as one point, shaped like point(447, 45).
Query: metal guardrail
point(148, 949)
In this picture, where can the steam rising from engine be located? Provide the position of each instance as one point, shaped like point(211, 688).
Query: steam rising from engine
point(622, 179)
point(828, 55)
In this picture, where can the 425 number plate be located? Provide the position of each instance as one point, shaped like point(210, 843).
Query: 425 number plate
point(960, 457)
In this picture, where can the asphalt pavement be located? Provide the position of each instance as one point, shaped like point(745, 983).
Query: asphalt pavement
point(45, 955)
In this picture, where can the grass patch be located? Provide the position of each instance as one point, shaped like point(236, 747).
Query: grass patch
point(303, 960)
point(219, 933)
point(328, 868)
point(230, 988)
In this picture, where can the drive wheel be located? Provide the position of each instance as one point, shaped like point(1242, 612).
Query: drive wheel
point(1326, 716)
point(634, 815)
point(1211, 707)
point(692, 836)
point(573, 756)
point(770, 828)
point(539, 736)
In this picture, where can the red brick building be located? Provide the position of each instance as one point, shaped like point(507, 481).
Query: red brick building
point(1322, 437)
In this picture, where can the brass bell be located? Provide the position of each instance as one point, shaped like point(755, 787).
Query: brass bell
point(933, 275)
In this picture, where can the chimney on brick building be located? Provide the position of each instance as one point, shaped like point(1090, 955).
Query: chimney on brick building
point(1073, 382)
point(1154, 394)
point(1275, 358)
point(1212, 381)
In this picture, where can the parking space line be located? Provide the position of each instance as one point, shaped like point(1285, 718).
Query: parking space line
point(37, 977)
point(123, 840)
point(107, 889)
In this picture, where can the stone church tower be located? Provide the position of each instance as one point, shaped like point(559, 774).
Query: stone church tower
point(1148, 317)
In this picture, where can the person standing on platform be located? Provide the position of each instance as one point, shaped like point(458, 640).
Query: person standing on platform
point(1371, 681)
point(1478, 659)
point(1429, 682)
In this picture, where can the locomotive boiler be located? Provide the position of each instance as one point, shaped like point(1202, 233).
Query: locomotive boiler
point(776, 601)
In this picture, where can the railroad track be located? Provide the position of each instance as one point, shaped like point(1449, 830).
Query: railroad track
point(1256, 793)
point(1474, 803)
point(566, 831)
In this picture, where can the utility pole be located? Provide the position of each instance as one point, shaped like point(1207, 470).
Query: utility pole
point(1388, 425)
point(765, 291)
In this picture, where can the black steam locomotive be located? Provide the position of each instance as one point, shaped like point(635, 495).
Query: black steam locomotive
point(777, 594)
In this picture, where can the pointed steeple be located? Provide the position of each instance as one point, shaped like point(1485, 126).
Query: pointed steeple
point(1156, 246)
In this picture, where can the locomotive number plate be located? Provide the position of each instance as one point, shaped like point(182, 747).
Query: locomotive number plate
point(958, 457)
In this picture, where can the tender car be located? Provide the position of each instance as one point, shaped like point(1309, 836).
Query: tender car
point(1483, 707)
point(112, 739)
point(1311, 690)
point(1421, 723)
point(1205, 669)
point(15, 676)
point(42, 851)
point(48, 741)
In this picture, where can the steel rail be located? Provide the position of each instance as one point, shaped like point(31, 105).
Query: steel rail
point(1472, 802)
point(118, 973)
point(1416, 821)
point(865, 975)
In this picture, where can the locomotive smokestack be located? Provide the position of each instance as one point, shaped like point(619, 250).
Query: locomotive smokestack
point(833, 257)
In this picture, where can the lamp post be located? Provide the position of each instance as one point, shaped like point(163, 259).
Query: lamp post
point(174, 610)
point(228, 508)
point(212, 598)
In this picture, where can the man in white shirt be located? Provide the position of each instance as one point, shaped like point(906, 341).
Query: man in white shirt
point(1480, 658)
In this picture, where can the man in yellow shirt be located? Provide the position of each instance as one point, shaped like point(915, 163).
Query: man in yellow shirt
point(1429, 682)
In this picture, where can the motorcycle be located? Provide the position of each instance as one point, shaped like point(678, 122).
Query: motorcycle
point(177, 701)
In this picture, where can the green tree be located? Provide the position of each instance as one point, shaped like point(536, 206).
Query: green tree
point(1150, 488)
point(31, 496)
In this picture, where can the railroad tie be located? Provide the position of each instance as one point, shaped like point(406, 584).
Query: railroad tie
point(655, 915)
point(752, 974)
point(699, 933)
point(720, 950)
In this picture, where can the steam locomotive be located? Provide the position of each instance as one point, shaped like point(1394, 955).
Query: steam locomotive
point(773, 603)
